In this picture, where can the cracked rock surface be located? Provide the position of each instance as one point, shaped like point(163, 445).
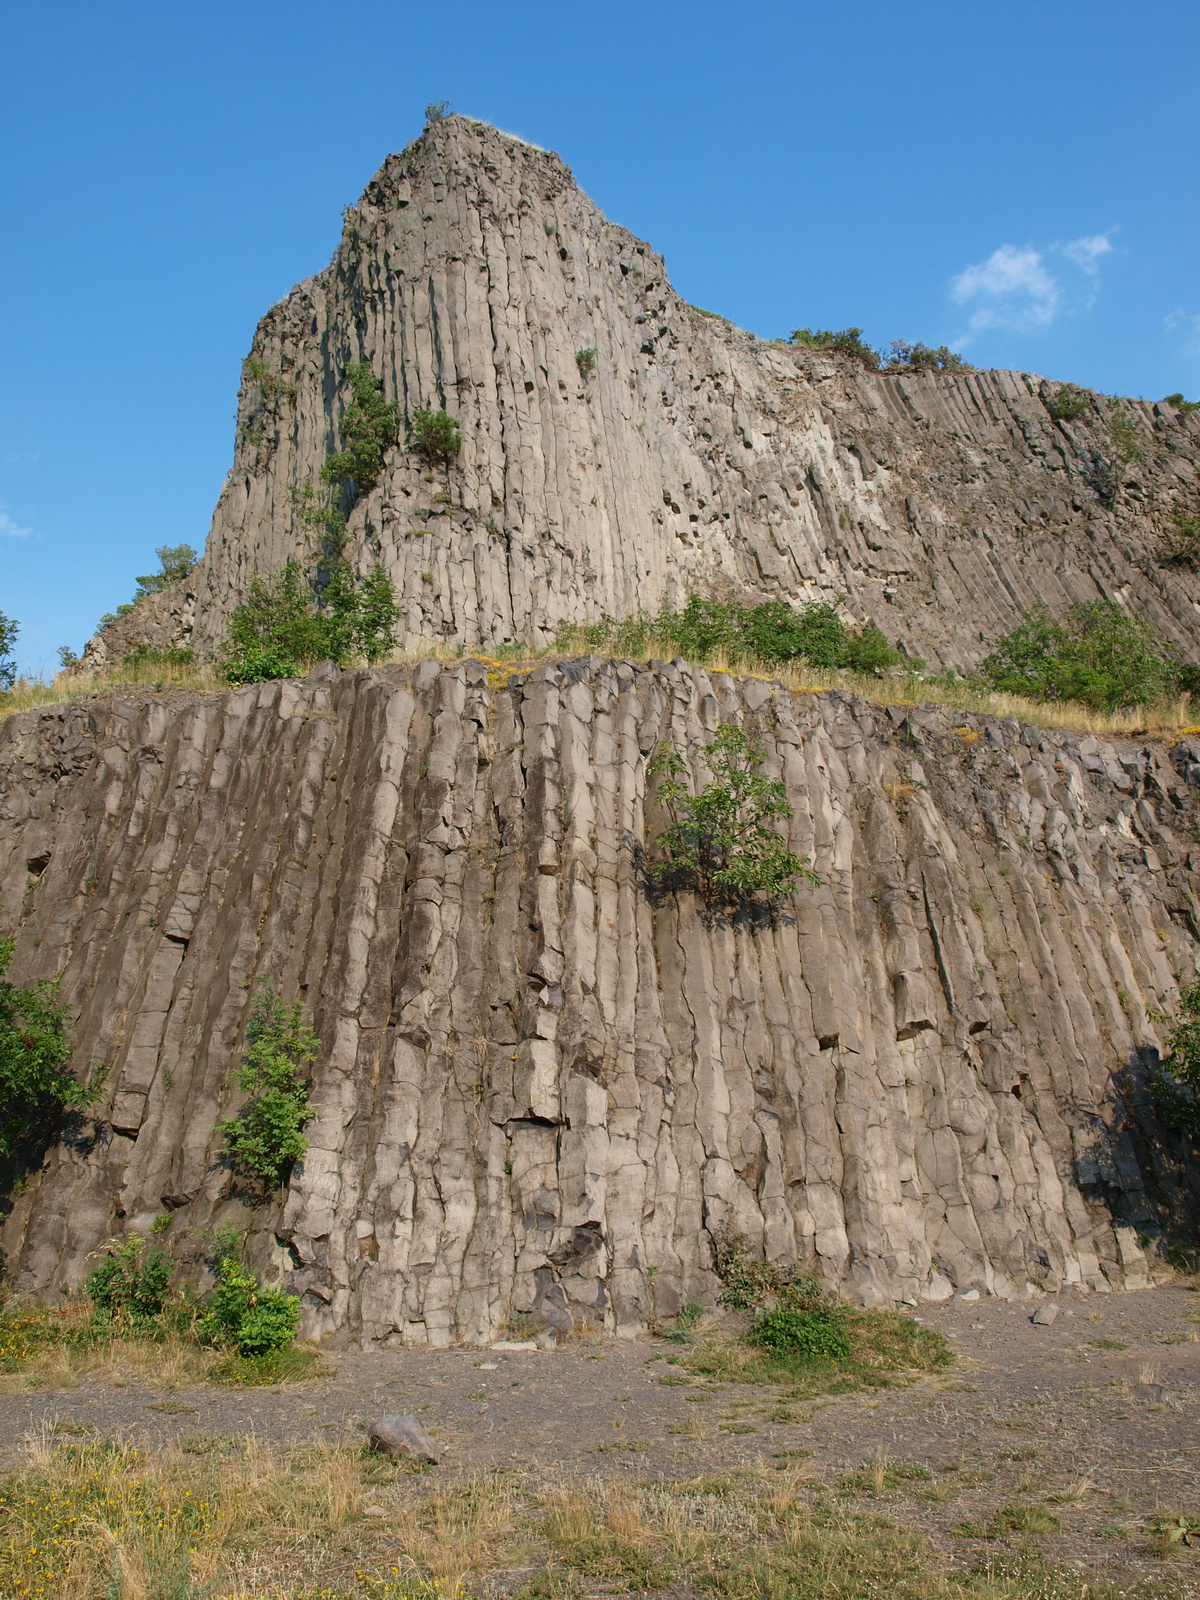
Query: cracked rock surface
point(536, 1082)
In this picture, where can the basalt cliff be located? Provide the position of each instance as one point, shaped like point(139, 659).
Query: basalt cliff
point(694, 457)
point(542, 1087)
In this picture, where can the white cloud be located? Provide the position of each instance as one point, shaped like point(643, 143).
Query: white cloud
point(8, 526)
point(1189, 322)
point(1011, 289)
point(1014, 289)
point(1086, 252)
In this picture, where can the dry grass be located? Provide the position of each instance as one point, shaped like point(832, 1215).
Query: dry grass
point(243, 1520)
point(1165, 719)
point(105, 1519)
point(31, 694)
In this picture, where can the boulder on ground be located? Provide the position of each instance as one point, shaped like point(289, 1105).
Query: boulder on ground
point(402, 1439)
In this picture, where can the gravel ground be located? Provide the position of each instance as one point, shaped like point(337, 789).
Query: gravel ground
point(1100, 1408)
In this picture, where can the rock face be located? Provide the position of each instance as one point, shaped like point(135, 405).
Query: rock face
point(536, 1082)
point(473, 272)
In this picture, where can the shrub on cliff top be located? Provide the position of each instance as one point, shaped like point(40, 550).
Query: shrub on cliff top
point(1097, 653)
point(899, 356)
point(847, 342)
point(769, 634)
point(283, 627)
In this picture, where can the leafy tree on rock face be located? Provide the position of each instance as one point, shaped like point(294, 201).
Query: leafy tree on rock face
point(175, 560)
point(8, 639)
point(436, 436)
point(1176, 1087)
point(369, 428)
point(721, 842)
point(266, 1138)
point(35, 1046)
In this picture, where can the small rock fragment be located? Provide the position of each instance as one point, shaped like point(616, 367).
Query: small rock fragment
point(1044, 1316)
point(967, 1294)
point(488, 1366)
point(403, 1439)
point(374, 1511)
point(514, 1344)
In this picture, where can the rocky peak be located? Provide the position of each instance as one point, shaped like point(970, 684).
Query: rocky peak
point(693, 456)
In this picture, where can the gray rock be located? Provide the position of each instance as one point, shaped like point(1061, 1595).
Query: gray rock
point(441, 858)
point(940, 504)
point(403, 1439)
point(1044, 1315)
point(1152, 1393)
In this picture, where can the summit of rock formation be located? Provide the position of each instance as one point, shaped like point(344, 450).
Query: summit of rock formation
point(694, 457)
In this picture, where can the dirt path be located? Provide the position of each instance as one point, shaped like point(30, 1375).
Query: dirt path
point(1027, 1415)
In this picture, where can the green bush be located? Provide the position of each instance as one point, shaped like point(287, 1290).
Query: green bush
point(270, 384)
point(902, 357)
point(721, 843)
point(1175, 1086)
point(369, 428)
point(144, 659)
point(130, 1285)
point(1181, 547)
point(240, 1316)
point(747, 1280)
point(9, 630)
point(175, 563)
point(899, 356)
point(1125, 436)
point(436, 436)
point(585, 360)
point(817, 1335)
point(1070, 402)
point(771, 634)
point(36, 1086)
point(284, 626)
point(266, 1137)
point(1097, 653)
point(847, 342)
point(1180, 404)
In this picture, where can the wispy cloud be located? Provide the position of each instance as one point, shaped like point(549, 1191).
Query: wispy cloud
point(1011, 289)
point(1086, 253)
point(1016, 290)
point(9, 527)
point(1188, 323)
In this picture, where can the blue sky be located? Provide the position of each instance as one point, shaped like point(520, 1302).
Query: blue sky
point(1017, 180)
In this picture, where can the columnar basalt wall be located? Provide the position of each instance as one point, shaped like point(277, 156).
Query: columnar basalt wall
point(470, 275)
point(536, 1082)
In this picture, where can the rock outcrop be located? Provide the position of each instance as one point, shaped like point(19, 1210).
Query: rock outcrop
point(536, 1081)
point(470, 276)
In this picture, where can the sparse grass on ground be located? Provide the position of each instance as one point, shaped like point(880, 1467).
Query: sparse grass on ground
point(1166, 718)
point(236, 1519)
point(886, 1348)
point(61, 1346)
